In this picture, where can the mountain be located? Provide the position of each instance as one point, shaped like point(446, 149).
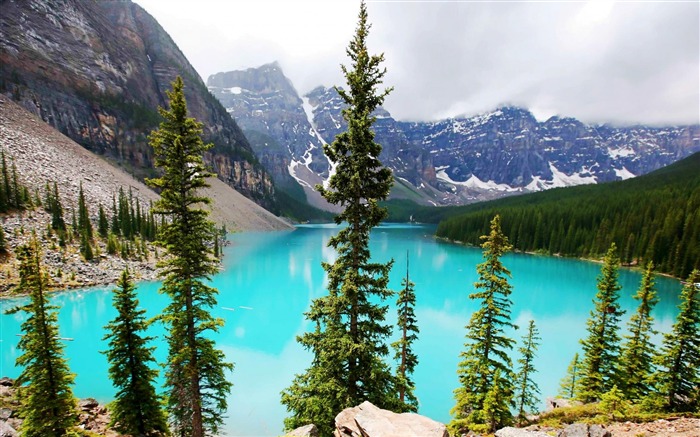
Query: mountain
point(43, 155)
point(654, 217)
point(448, 162)
point(97, 71)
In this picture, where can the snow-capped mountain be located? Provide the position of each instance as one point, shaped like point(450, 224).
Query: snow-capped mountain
point(453, 161)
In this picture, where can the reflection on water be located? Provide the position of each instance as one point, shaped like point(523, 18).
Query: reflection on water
point(269, 280)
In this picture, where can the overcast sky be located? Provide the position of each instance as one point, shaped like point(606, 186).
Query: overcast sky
point(599, 61)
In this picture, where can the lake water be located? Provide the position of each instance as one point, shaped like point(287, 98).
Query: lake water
point(269, 280)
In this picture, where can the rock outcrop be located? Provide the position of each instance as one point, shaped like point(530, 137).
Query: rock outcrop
point(97, 71)
point(584, 430)
point(367, 420)
point(519, 432)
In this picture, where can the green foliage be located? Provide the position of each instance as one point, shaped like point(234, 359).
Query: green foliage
point(403, 347)
point(635, 365)
point(613, 402)
point(496, 411)
point(136, 409)
point(86, 246)
point(55, 208)
point(102, 224)
point(195, 373)
point(13, 194)
point(487, 345)
point(601, 348)
point(677, 379)
point(349, 342)
point(568, 387)
point(84, 224)
point(48, 407)
point(527, 389)
point(3, 243)
point(655, 217)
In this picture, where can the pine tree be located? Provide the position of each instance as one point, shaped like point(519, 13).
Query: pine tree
point(136, 409)
point(4, 200)
point(195, 374)
point(527, 389)
point(613, 402)
point(3, 243)
point(86, 246)
point(405, 356)
point(495, 411)
point(602, 346)
point(84, 224)
point(102, 223)
point(57, 222)
point(48, 408)
point(17, 197)
point(351, 340)
point(635, 366)
point(568, 387)
point(677, 379)
point(487, 346)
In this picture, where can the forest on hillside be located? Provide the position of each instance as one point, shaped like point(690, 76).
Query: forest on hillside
point(651, 218)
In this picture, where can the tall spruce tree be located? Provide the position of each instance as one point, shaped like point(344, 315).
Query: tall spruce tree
point(136, 409)
point(677, 379)
point(350, 342)
point(196, 372)
point(57, 221)
point(48, 407)
point(568, 386)
point(487, 345)
point(636, 357)
point(601, 348)
point(527, 390)
point(403, 347)
point(84, 224)
point(102, 223)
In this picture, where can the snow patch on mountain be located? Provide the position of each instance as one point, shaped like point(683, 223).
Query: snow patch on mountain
point(561, 179)
point(622, 152)
point(624, 173)
point(474, 182)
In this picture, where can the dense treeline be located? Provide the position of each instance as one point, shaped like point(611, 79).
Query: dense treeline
point(14, 196)
point(651, 218)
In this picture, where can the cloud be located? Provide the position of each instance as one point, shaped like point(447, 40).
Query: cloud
point(598, 61)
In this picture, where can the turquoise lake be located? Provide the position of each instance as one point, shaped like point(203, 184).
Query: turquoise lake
point(269, 280)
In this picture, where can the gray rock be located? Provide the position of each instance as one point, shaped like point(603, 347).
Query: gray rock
point(88, 404)
point(518, 432)
point(5, 413)
point(6, 430)
point(6, 382)
point(584, 430)
point(367, 420)
point(304, 431)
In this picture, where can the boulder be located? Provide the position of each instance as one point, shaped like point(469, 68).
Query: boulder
point(519, 432)
point(367, 420)
point(584, 430)
point(554, 403)
point(87, 404)
point(303, 431)
point(7, 431)
point(6, 382)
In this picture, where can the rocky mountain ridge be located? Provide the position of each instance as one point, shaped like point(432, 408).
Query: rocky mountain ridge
point(454, 161)
point(97, 71)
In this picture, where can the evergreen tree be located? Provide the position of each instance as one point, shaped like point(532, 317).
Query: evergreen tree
point(404, 346)
point(136, 409)
point(568, 387)
point(635, 366)
point(48, 407)
point(602, 346)
point(84, 224)
point(195, 374)
point(3, 244)
point(102, 223)
point(496, 411)
point(349, 343)
point(57, 222)
point(677, 379)
point(17, 198)
point(487, 346)
point(86, 246)
point(4, 200)
point(527, 390)
point(613, 402)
